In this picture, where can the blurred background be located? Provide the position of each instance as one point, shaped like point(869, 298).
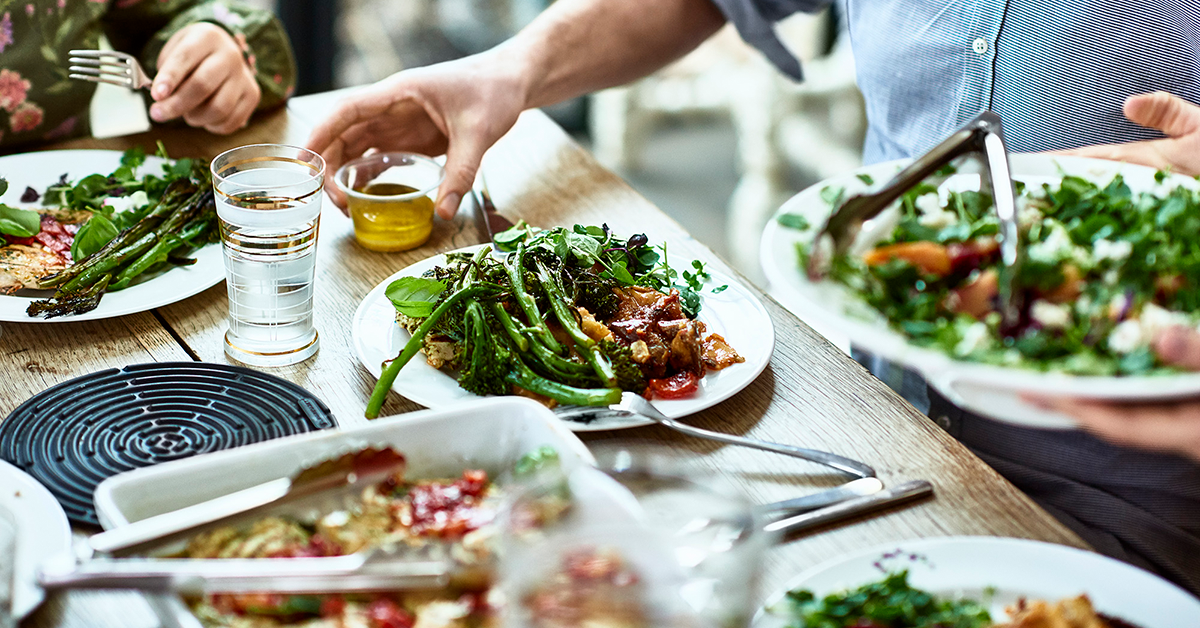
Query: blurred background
point(718, 140)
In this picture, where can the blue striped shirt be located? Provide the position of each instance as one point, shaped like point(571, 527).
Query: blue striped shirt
point(1056, 72)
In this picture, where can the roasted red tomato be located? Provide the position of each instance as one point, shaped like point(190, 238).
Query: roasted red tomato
point(385, 613)
point(677, 386)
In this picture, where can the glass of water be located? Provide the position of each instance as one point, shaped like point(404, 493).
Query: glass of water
point(268, 200)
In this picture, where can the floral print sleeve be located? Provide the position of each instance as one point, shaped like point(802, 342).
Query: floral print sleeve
point(39, 103)
point(144, 26)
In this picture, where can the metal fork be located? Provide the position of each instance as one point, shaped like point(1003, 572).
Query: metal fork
point(632, 404)
point(109, 66)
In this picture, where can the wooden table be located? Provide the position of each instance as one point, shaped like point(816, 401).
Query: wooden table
point(810, 394)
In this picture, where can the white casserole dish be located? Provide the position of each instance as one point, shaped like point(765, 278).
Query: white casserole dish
point(491, 434)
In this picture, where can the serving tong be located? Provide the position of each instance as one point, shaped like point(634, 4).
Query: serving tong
point(982, 138)
point(103, 561)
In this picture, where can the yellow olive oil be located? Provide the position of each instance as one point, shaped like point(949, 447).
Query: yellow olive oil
point(388, 224)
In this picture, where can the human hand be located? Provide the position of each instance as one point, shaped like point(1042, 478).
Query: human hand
point(1171, 426)
point(458, 108)
point(203, 78)
point(1177, 118)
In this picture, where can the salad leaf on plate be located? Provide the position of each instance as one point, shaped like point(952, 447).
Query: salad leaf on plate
point(415, 296)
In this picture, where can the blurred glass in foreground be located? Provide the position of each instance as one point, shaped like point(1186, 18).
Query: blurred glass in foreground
point(643, 541)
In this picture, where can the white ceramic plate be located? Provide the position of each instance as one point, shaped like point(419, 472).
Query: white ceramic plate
point(985, 389)
point(39, 170)
point(42, 532)
point(966, 566)
point(734, 313)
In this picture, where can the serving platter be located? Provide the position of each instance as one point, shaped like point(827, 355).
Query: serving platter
point(735, 313)
point(989, 390)
point(42, 532)
point(1005, 570)
point(41, 169)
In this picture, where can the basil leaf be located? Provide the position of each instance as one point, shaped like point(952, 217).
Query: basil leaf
point(415, 296)
point(92, 237)
point(22, 223)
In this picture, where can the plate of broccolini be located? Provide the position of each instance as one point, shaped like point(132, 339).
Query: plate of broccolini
point(1110, 259)
point(87, 234)
point(570, 317)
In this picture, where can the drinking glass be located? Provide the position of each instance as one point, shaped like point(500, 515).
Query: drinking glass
point(390, 197)
point(8, 561)
point(642, 541)
point(268, 200)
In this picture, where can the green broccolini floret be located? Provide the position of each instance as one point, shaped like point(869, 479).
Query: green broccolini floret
point(629, 375)
point(486, 362)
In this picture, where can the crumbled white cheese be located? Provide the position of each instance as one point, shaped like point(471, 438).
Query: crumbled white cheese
point(336, 519)
point(1117, 306)
point(1116, 251)
point(1126, 337)
point(974, 338)
point(1083, 306)
point(124, 203)
point(1049, 315)
point(440, 614)
point(1111, 277)
point(1027, 212)
point(1055, 247)
point(932, 214)
point(1155, 319)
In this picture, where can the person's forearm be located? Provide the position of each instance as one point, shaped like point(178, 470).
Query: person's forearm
point(579, 46)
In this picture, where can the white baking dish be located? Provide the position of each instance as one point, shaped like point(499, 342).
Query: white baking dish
point(491, 434)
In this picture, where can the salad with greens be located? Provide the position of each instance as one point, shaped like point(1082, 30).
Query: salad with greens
point(1105, 269)
point(889, 603)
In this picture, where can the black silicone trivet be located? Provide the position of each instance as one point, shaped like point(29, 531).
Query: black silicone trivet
point(76, 434)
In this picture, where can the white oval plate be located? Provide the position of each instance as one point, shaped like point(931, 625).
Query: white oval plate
point(39, 170)
point(734, 313)
point(42, 532)
point(965, 566)
point(985, 389)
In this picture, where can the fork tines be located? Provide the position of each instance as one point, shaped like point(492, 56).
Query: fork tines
point(103, 66)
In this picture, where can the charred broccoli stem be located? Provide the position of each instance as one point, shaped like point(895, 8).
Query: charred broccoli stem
point(486, 362)
point(629, 375)
point(392, 369)
point(566, 318)
point(516, 275)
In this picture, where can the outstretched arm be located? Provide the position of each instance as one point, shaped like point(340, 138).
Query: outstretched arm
point(462, 107)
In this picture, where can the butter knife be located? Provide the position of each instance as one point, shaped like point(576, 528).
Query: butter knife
point(488, 219)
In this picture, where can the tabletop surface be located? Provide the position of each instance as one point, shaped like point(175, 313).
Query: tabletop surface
point(811, 394)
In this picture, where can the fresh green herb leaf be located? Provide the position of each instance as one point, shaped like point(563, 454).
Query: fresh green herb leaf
point(866, 178)
point(415, 296)
point(92, 236)
point(720, 289)
point(21, 223)
point(832, 196)
point(508, 239)
point(536, 461)
point(793, 221)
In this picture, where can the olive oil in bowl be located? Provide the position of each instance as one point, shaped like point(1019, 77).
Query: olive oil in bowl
point(390, 198)
point(391, 216)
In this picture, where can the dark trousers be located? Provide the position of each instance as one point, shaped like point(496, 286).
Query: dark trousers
point(1136, 506)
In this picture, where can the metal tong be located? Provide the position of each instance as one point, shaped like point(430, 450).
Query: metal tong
point(982, 138)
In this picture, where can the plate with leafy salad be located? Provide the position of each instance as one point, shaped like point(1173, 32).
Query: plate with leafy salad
point(1110, 259)
point(92, 234)
point(569, 317)
point(977, 582)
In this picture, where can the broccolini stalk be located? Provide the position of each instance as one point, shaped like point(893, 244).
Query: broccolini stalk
point(516, 274)
point(388, 376)
point(521, 375)
point(176, 193)
point(106, 265)
point(588, 347)
point(510, 326)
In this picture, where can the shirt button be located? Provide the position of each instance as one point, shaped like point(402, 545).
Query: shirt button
point(979, 46)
